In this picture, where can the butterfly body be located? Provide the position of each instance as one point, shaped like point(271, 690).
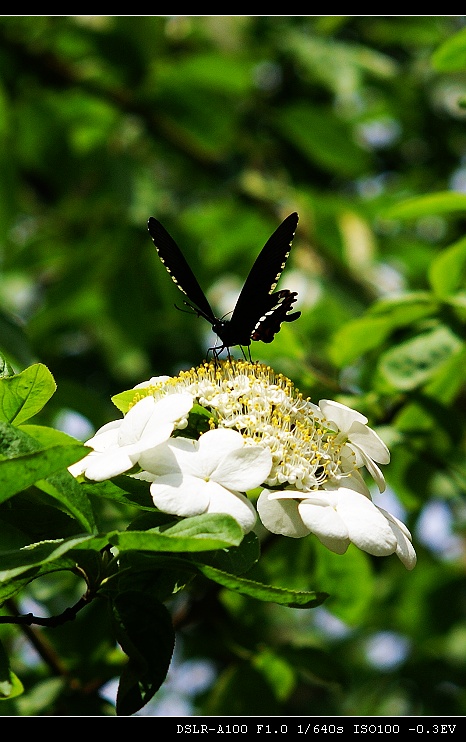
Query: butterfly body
point(259, 310)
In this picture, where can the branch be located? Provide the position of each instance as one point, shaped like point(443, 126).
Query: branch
point(69, 614)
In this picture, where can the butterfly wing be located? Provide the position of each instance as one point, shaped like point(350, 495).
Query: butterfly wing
point(269, 324)
point(178, 268)
point(258, 311)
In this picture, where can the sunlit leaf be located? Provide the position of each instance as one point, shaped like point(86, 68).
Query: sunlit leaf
point(16, 474)
point(448, 271)
point(433, 203)
point(415, 361)
point(23, 396)
point(199, 533)
point(451, 55)
point(366, 333)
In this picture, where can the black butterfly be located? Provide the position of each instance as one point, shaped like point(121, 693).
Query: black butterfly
point(259, 312)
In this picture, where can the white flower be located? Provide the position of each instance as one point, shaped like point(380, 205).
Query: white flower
point(338, 516)
point(362, 446)
point(119, 444)
point(310, 444)
point(152, 382)
point(268, 411)
point(404, 547)
point(207, 476)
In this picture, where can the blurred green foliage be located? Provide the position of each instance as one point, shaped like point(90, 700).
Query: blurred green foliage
point(220, 126)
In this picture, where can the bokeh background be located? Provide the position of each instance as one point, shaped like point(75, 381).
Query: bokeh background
point(220, 126)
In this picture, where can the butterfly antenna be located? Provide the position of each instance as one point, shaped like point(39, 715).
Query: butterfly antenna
point(185, 311)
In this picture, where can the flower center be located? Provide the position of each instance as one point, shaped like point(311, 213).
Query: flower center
point(268, 410)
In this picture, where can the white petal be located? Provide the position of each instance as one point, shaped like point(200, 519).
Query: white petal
point(353, 481)
point(172, 407)
point(367, 527)
point(154, 421)
point(152, 439)
point(179, 494)
point(108, 464)
point(371, 467)
point(222, 500)
point(320, 516)
point(221, 455)
point(197, 458)
point(152, 382)
point(404, 549)
point(164, 458)
point(106, 436)
point(188, 458)
point(348, 459)
point(244, 469)
point(324, 521)
point(333, 543)
point(80, 466)
point(281, 516)
point(216, 444)
point(369, 442)
point(340, 414)
point(135, 420)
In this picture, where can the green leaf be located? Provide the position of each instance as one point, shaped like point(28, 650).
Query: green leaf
point(10, 684)
point(43, 696)
point(5, 368)
point(145, 632)
point(338, 65)
point(349, 580)
point(208, 525)
point(16, 562)
point(27, 463)
point(366, 333)
point(426, 412)
point(199, 533)
point(412, 363)
point(448, 270)
point(268, 593)
point(406, 308)
point(241, 690)
point(122, 489)
point(446, 384)
point(47, 437)
point(22, 396)
point(322, 138)
point(64, 488)
point(433, 203)
point(237, 559)
point(358, 337)
point(5, 683)
point(315, 665)
point(10, 588)
point(124, 400)
point(279, 674)
point(451, 55)
point(18, 473)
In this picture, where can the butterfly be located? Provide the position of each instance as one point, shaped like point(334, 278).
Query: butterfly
point(259, 310)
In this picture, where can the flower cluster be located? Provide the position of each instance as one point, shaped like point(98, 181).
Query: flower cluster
point(262, 432)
